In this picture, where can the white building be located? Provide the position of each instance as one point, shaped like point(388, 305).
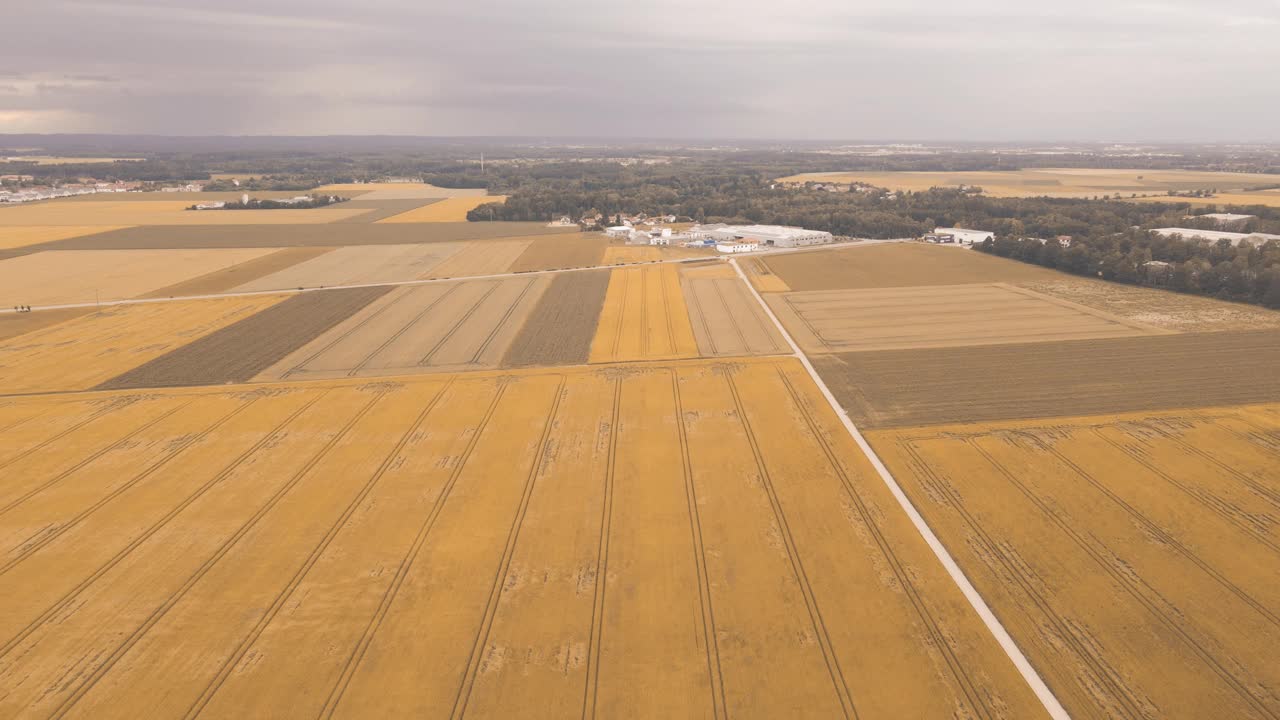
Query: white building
point(737, 246)
point(215, 205)
point(1214, 236)
point(768, 235)
point(618, 231)
point(1224, 220)
point(963, 236)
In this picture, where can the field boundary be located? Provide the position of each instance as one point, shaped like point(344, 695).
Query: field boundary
point(993, 624)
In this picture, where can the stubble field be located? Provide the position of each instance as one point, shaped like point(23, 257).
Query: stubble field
point(358, 265)
point(159, 212)
point(726, 318)
point(16, 237)
point(692, 540)
point(452, 209)
point(889, 265)
point(564, 250)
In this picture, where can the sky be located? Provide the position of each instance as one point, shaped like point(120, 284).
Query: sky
point(982, 70)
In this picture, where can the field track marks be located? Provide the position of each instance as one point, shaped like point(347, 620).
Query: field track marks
point(106, 409)
point(133, 637)
point(1271, 495)
point(972, 695)
point(146, 534)
point(357, 654)
point(1175, 627)
point(715, 673)
point(391, 339)
point(171, 452)
point(502, 322)
point(355, 326)
point(282, 597)
point(463, 696)
point(591, 686)
point(815, 613)
point(444, 339)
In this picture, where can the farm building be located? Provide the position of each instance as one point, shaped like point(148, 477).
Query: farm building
point(771, 235)
point(1226, 221)
point(1214, 236)
point(960, 236)
point(618, 231)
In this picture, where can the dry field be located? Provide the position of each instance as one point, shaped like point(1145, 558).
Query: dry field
point(158, 212)
point(1052, 182)
point(1081, 377)
point(62, 277)
point(358, 265)
point(561, 326)
point(622, 254)
point(375, 210)
point(593, 543)
point(422, 328)
point(726, 319)
point(828, 321)
point(241, 350)
point(64, 160)
point(1157, 308)
point(644, 317)
point(1132, 557)
point(398, 191)
point(16, 237)
point(490, 257)
point(189, 198)
point(452, 209)
point(566, 250)
point(890, 265)
point(1269, 198)
point(82, 352)
point(15, 324)
point(226, 279)
point(761, 276)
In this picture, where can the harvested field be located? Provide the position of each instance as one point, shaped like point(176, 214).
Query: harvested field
point(1051, 182)
point(157, 212)
point(245, 348)
point(64, 160)
point(1132, 557)
point(16, 237)
point(726, 319)
point(566, 250)
point(398, 191)
point(560, 327)
point(938, 316)
point(452, 209)
point(52, 278)
point(455, 325)
point(602, 544)
point(889, 265)
point(278, 236)
point(644, 317)
point(358, 265)
point(1080, 377)
point(762, 276)
point(490, 257)
point(375, 210)
point(1268, 198)
point(228, 278)
point(620, 254)
point(1158, 308)
point(82, 352)
point(15, 324)
point(189, 198)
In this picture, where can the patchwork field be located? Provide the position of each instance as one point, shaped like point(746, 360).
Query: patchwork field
point(229, 278)
point(1156, 308)
point(939, 316)
point(358, 265)
point(15, 324)
point(15, 237)
point(158, 212)
point(490, 257)
point(726, 319)
point(644, 317)
point(1081, 377)
point(397, 191)
point(888, 265)
point(560, 328)
point(566, 250)
point(602, 543)
point(1132, 557)
point(620, 254)
point(453, 209)
point(79, 353)
point(1051, 182)
point(448, 325)
point(375, 210)
point(63, 277)
point(762, 276)
point(1269, 198)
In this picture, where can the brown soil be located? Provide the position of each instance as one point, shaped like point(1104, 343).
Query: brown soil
point(15, 324)
point(563, 251)
point(239, 351)
point(898, 265)
point(560, 329)
point(1083, 377)
point(228, 278)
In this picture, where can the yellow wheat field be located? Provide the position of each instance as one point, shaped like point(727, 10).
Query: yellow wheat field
point(80, 353)
point(69, 276)
point(16, 237)
point(1269, 198)
point(453, 209)
point(397, 191)
point(685, 540)
point(159, 212)
point(644, 317)
point(1133, 557)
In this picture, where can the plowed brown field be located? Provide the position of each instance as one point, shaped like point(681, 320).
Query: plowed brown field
point(570, 250)
point(357, 266)
point(597, 543)
point(560, 327)
point(453, 325)
point(891, 265)
point(644, 317)
point(1132, 557)
point(726, 319)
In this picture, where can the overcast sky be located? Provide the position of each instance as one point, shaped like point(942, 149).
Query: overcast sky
point(1106, 70)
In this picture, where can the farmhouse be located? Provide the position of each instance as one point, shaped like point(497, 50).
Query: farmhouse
point(960, 236)
point(769, 235)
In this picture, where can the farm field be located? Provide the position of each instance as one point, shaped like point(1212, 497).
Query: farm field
point(62, 277)
point(760, 275)
point(453, 209)
point(449, 325)
point(397, 191)
point(828, 321)
point(375, 210)
point(157, 212)
point(644, 317)
point(894, 388)
point(603, 544)
point(358, 265)
point(1133, 557)
point(489, 257)
point(1051, 182)
point(1156, 308)
point(619, 254)
point(81, 352)
point(565, 250)
point(15, 324)
point(1269, 198)
point(726, 319)
point(229, 278)
point(889, 265)
point(64, 160)
point(16, 237)
point(561, 326)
